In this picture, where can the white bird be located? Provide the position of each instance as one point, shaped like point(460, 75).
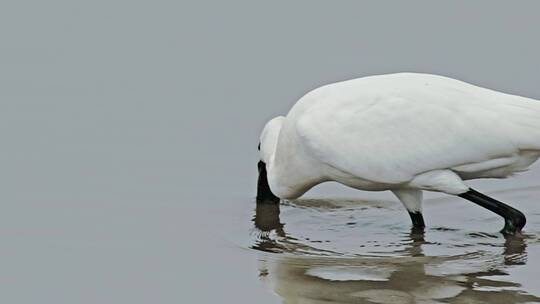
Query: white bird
point(406, 133)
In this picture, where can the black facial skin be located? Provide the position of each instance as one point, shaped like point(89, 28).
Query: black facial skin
point(264, 194)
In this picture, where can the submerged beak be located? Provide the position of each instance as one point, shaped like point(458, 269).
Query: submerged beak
point(264, 194)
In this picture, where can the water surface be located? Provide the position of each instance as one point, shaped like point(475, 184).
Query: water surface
point(363, 251)
point(129, 133)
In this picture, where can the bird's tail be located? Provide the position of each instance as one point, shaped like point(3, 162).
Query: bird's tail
point(525, 123)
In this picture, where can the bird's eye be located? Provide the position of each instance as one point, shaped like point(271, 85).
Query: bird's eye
point(259, 147)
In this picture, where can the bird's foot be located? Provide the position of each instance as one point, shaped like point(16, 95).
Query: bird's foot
point(514, 223)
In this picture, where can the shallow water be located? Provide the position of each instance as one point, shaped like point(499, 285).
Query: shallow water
point(363, 251)
point(129, 135)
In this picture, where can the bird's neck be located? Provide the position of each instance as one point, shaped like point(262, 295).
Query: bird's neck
point(289, 174)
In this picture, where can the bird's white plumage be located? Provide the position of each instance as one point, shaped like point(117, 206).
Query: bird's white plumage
point(402, 131)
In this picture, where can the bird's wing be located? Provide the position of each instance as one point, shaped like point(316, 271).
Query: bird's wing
point(393, 139)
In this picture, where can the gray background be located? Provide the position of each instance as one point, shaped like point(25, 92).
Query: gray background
point(124, 124)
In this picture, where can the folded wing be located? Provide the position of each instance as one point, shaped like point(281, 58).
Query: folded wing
point(392, 138)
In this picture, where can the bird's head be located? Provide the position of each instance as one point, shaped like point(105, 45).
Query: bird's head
point(267, 146)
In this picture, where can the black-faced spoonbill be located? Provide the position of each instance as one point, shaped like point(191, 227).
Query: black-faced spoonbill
point(405, 133)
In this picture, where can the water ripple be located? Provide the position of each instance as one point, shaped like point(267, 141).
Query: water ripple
point(349, 251)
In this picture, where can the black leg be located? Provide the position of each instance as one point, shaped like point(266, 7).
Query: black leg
point(417, 221)
point(514, 220)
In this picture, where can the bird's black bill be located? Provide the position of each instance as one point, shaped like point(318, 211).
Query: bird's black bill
point(264, 194)
point(514, 220)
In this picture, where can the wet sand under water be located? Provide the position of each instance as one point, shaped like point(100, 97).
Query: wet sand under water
point(360, 251)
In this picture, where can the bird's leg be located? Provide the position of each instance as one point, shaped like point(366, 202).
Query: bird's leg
point(417, 221)
point(412, 200)
point(514, 220)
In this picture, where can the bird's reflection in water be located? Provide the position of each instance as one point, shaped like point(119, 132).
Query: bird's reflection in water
point(267, 220)
point(409, 276)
